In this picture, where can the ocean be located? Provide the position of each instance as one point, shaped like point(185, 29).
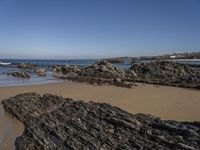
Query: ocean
point(6, 81)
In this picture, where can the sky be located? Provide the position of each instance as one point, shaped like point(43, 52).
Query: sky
point(59, 29)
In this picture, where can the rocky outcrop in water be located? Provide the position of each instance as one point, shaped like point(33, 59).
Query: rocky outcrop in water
point(168, 73)
point(100, 73)
point(159, 72)
point(53, 122)
point(41, 72)
point(20, 74)
point(26, 66)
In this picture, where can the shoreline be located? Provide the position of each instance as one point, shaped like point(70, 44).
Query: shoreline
point(168, 103)
point(149, 95)
point(103, 72)
point(31, 84)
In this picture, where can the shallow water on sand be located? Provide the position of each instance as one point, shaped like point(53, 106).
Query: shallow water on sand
point(6, 81)
point(10, 129)
point(9, 81)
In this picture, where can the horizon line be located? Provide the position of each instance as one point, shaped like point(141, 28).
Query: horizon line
point(99, 57)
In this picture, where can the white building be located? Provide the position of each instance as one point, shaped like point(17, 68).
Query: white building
point(172, 57)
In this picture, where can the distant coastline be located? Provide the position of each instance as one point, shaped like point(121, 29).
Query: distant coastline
point(13, 65)
point(167, 57)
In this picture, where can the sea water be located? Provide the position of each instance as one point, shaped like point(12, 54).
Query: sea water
point(6, 81)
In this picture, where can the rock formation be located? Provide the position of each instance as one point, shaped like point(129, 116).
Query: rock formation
point(20, 74)
point(53, 122)
point(100, 73)
point(159, 72)
point(168, 73)
point(41, 72)
point(26, 66)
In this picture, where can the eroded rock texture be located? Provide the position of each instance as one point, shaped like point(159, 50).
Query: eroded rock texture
point(168, 73)
point(19, 74)
point(53, 122)
point(26, 66)
point(100, 73)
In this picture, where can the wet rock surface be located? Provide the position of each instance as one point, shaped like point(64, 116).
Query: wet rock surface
point(26, 66)
point(41, 72)
point(103, 72)
point(159, 72)
point(168, 73)
point(53, 122)
point(100, 73)
point(20, 74)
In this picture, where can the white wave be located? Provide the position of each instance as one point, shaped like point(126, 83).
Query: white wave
point(4, 64)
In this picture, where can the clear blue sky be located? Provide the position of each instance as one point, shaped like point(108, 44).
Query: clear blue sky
point(97, 28)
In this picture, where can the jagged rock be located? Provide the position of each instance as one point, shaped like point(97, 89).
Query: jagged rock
point(26, 66)
point(53, 122)
point(117, 80)
point(100, 73)
point(131, 73)
point(41, 71)
point(57, 69)
point(168, 73)
point(20, 74)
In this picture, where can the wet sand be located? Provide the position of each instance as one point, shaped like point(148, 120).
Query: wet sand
point(162, 101)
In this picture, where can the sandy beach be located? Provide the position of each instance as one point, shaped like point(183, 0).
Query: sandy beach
point(162, 101)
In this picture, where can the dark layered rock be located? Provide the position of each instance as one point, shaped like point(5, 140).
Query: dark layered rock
point(168, 73)
point(26, 66)
point(57, 68)
point(53, 122)
point(100, 73)
point(20, 74)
